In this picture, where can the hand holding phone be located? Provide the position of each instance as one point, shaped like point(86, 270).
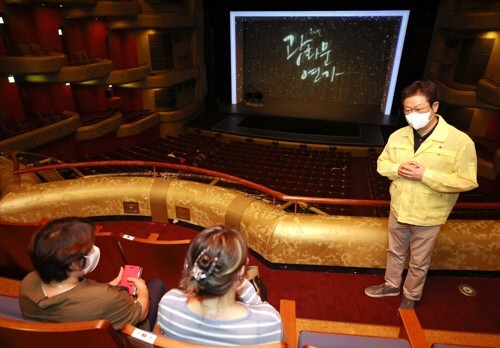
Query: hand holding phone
point(130, 271)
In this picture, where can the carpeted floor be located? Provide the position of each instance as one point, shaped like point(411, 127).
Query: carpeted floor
point(339, 297)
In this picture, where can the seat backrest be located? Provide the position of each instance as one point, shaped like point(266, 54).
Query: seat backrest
point(158, 258)
point(139, 338)
point(112, 257)
point(14, 240)
point(79, 57)
point(9, 287)
point(35, 48)
point(9, 308)
point(6, 267)
point(332, 340)
point(21, 334)
point(25, 49)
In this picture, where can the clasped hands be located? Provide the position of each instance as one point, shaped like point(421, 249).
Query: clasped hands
point(411, 171)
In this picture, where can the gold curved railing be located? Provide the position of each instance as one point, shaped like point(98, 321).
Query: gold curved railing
point(276, 195)
point(273, 231)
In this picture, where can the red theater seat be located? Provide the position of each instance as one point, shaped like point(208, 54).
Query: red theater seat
point(163, 259)
point(14, 240)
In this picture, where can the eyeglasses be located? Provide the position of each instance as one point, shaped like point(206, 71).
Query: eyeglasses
point(420, 110)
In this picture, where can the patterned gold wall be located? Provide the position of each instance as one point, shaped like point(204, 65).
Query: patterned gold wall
point(278, 236)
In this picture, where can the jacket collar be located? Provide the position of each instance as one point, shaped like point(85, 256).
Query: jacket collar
point(440, 133)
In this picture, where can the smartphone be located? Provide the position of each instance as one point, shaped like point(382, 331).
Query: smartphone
point(130, 271)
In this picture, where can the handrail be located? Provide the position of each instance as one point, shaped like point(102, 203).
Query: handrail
point(155, 174)
point(275, 194)
point(12, 156)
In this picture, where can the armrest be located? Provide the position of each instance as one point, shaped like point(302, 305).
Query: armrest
point(153, 236)
point(288, 317)
point(411, 329)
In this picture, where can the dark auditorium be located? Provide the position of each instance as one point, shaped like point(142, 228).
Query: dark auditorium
point(352, 146)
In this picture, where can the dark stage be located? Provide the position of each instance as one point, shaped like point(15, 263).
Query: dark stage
point(298, 122)
point(301, 130)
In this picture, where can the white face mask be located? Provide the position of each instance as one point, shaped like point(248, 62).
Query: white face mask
point(93, 260)
point(417, 120)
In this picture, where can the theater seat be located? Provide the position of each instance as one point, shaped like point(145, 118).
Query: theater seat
point(14, 240)
point(332, 340)
point(16, 332)
point(9, 308)
point(163, 259)
point(9, 304)
point(411, 334)
point(112, 257)
point(22, 334)
point(139, 338)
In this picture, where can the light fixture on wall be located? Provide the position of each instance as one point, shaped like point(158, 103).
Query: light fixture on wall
point(1, 20)
point(60, 31)
point(11, 79)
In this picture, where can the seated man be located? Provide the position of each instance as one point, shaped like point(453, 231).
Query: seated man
point(62, 253)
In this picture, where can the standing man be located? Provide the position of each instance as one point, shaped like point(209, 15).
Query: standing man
point(429, 163)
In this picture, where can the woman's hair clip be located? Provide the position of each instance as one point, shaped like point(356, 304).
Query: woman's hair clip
point(197, 273)
point(212, 265)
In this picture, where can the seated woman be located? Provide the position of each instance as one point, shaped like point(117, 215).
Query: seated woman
point(205, 309)
point(62, 253)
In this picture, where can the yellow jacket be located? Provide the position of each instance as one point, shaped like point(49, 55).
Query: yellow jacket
point(449, 158)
